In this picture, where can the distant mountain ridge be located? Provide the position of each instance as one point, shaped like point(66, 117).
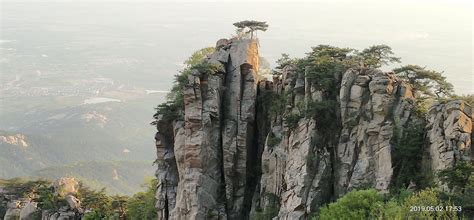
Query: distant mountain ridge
point(118, 177)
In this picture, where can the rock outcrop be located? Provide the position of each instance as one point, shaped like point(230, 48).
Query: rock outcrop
point(16, 139)
point(26, 208)
point(229, 156)
point(203, 159)
point(296, 167)
point(449, 135)
point(65, 186)
point(13, 211)
point(372, 104)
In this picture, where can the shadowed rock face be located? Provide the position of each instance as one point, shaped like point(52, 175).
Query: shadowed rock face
point(228, 157)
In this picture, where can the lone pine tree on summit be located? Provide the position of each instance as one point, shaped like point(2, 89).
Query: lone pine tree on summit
point(251, 26)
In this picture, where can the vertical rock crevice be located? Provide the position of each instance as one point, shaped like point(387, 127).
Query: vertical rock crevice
point(214, 141)
point(449, 136)
point(232, 156)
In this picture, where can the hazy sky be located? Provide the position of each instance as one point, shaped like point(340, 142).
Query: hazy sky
point(432, 33)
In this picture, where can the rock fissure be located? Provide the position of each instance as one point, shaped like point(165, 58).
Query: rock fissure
point(286, 147)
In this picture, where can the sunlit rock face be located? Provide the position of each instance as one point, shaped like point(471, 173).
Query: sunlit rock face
point(227, 156)
point(203, 159)
point(372, 103)
point(16, 140)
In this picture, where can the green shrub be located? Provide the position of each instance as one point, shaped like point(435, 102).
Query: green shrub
point(283, 61)
point(142, 204)
point(199, 56)
point(407, 154)
point(324, 112)
point(171, 110)
point(465, 198)
point(97, 201)
point(415, 207)
point(291, 120)
point(461, 179)
point(278, 103)
point(458, 176)
point(273, 140)
point(368, 204)
point(360, 204)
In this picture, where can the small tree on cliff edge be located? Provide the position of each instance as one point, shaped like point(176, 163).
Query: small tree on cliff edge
point(250, 26)
point(428, 82)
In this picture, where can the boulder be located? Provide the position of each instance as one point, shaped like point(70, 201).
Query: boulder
point(28, 210)
point(12, 214)
point(65, 186)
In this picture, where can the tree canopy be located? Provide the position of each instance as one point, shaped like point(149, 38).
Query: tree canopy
point(170, 109)
point(251, 26)
point(428, 82)
point(377, 56)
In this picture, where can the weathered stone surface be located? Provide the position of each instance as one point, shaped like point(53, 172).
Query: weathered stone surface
point(12, 214)
point(65, 186)
point(449, 132)
point(28, 210)
point(372, 102)
point(206, 173)
point(229, 158)
point(296, 170)
point(167, 172)
point(73, 202)
point(25, 208)
point(222, 43)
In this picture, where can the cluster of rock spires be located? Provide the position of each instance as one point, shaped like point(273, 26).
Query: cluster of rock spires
point(227, 157)
point(27, 209)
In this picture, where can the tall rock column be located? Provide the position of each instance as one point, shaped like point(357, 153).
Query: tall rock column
point(197, 150)
point(372, 104)
point(449, 133)
point(167, 173)
point(296, 168)
point(238, 131)
point(203, 166)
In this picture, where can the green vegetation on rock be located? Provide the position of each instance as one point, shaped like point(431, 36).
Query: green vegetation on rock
point(428, 82)
point(407, 155)
point(171, 109)
point(98, 203)
point(369, 204)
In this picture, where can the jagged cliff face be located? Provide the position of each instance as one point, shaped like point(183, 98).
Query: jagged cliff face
point(309, 167)
point(229, 157)
point(449, 135)
point(372, 104)
point(296, 168)
point(204, 160)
